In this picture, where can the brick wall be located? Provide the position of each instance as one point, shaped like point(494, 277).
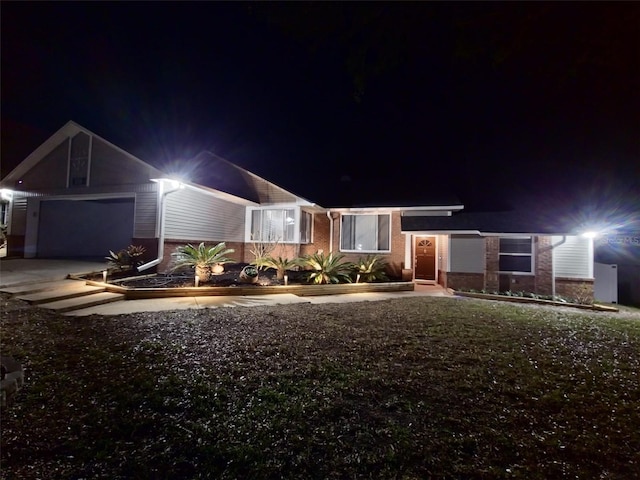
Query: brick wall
point(578, 289)
point(464, 281)
point(516, 283)
point(543, 266)
point(320, 236)
point(442, 278)
point(492, 263)
point(15, 245)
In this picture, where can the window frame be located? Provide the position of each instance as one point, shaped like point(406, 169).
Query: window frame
point(530, 254)
point(378, 250)
point(285, 209)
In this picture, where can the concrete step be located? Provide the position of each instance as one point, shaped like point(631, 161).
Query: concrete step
point(34, 287)
point(72, 290)
point(77, 303)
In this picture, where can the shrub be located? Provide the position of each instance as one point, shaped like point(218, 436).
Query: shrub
point(126, 259)
point(202, 258)
point(327, 268)
point(280, 264)
point(261, 252)
point(371, 268)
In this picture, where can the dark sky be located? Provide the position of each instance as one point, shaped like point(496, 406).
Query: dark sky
point(503, 104)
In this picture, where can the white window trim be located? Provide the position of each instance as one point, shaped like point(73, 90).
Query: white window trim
point(299, 212)
point(532, 255)
point(368, 215)
point(285, 206)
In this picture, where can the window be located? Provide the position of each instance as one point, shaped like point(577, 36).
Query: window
point(306, 222)
point(516, 255)
point(279, 225)
point(365, 233)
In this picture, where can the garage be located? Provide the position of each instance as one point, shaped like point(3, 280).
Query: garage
point(84, 228)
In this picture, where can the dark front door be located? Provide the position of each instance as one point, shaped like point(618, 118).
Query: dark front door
point(426, 258)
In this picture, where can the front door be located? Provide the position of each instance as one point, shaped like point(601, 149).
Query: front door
point(425, 248)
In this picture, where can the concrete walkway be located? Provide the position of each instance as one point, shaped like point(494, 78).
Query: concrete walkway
point(15, 272)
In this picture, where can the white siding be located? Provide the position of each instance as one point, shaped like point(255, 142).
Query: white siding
point(467, 254)
point(193, 215)
point(443, 253)
point(146, 212)
point(573, 258)
point(18, 217)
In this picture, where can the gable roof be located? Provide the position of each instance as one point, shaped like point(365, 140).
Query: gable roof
point(70, 129)
point(231, 178)
point(236, 183)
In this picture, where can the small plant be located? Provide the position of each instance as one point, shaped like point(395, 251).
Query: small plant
point(371, 268)
point(327, 268)
point(261, 252)
point(249, 274)
point(202, 258)
point(583, 295)
point(126, 259)
point(281, 265)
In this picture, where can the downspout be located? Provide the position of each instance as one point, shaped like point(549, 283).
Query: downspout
point(553, 266)
point(160, 256)
point(330, 231)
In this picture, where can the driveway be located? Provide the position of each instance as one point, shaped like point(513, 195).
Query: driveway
point(15, 271)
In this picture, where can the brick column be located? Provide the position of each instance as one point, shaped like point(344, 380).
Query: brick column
point(543, 265)
point(492, 263)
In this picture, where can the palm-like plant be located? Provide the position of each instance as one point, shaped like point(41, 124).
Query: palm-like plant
point(125, 259)
point(280, 264)
point(202, 258)
point(371, 268)
point(327, 269)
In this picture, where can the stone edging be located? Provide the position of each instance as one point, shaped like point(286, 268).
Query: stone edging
point(506, 298)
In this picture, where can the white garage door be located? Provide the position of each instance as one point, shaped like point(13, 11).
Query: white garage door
point(84, 228)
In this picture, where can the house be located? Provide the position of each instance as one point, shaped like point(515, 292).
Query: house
point(78, 195)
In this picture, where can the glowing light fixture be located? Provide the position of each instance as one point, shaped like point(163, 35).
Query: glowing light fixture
point(6, 194)
point(590, 234)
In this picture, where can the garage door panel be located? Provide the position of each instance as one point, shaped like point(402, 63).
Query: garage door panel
point(84, 228)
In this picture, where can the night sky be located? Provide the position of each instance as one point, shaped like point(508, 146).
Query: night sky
point(503, 104)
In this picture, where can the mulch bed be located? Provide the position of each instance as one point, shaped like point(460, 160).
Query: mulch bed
point(229, 278)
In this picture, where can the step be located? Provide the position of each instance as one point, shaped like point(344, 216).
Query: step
point(79, 289)
point(77, 303)
point(33, 287)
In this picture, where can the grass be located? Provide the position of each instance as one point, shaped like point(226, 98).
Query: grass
point(410, 388)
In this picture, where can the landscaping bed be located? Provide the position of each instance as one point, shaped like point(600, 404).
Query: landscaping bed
point(181, 284)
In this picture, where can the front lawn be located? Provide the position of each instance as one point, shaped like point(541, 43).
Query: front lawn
point(411, 388)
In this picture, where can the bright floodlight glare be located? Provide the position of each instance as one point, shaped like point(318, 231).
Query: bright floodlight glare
point(590, 234)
